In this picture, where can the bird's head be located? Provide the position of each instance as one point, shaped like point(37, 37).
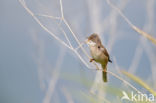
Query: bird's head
point(93, 39)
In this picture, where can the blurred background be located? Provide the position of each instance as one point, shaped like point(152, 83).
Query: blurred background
point(36, 67)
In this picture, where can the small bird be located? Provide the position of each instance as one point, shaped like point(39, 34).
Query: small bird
point(99, 53)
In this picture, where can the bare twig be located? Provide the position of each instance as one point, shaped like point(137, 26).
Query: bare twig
point(38, 21)
point(52, 17)
point(148, 36)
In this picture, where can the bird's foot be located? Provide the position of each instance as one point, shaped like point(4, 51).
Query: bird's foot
point(104, 70)
point(91, 60)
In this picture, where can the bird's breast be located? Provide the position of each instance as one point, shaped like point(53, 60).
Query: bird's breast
point(98, 55)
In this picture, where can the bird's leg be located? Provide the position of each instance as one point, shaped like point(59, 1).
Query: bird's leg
point(104, 70)
point(91, 60)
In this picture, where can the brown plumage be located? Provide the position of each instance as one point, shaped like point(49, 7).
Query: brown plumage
point(99, 53)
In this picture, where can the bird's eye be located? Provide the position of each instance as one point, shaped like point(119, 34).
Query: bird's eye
point(99, 47)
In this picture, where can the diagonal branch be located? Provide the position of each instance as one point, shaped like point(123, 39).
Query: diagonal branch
point(141, 32)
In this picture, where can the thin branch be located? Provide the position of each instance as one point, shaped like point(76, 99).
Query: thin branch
point(48, 16)
point(83, 61)
point(38, 21)
point(66, 23)
point(61, 6)
point(148, 36)
point(66, 36)
point(130, 85)
point(76, 38)
point(123, 80)
point(78, 47)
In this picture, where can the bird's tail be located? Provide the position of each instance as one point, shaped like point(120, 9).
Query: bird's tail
point(110, 61)
point(104, 73)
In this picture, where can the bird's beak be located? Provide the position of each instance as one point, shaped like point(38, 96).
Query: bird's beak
point(87, 41)
point(90, 43)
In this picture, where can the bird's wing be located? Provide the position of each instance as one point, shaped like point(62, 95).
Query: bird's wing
point(106, 53)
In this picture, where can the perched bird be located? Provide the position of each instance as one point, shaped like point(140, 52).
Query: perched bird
point(99, 53)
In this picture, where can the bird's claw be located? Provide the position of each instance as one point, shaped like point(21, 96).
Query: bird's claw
point(104, 70)
point(91, 60)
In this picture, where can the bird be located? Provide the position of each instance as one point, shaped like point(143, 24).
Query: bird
point(99, 53)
